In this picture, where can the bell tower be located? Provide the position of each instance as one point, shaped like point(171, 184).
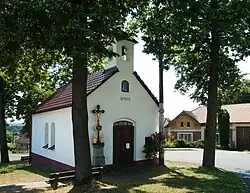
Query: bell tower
point(125, 60)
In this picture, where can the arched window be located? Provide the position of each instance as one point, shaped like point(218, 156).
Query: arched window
point(46, 136)
point(52, 139)
point(125, 86)
point(124, 53)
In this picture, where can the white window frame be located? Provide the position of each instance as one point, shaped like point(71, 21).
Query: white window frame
point(189, 124)
point(182, 133)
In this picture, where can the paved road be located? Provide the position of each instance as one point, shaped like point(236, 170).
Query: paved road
point(238, 162)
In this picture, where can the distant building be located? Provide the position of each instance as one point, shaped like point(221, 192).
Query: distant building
point(166, 123)
point(190, 125)
point(22, 143)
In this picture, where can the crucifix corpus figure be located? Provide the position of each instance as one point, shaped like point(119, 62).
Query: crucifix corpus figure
point(98, 113)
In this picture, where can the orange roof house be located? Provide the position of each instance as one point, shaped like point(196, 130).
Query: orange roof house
point(190, 125)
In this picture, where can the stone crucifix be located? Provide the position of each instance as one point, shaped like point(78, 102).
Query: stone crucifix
point(98, 113)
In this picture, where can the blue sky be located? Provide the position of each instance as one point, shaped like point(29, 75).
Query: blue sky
point(174, 102)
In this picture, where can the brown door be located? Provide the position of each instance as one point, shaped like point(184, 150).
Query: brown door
point(243, 138)
point(123, 143)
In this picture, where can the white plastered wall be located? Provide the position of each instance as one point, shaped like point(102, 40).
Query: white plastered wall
point(136, 106)
point(140, 109)
point(63, 135)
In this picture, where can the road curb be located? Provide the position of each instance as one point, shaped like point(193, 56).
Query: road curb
point(181, 149)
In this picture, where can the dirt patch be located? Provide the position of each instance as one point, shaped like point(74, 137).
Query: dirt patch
point(20, 176)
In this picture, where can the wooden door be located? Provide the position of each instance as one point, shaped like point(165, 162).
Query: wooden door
point(243, 138)
point(123, 143)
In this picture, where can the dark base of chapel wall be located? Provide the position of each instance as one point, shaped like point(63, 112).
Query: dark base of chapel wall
point(137, 164)
point(52, 165)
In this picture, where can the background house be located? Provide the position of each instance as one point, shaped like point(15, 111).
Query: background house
point(190, 125)
point(22, 143)
point(166, 125)
point(185, 126)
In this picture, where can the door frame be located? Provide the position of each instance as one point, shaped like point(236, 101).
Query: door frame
point(134, 136)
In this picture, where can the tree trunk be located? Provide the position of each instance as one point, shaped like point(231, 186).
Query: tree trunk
point(212, 103)
point(80, 121)
point(161, 108)
point(3, 138)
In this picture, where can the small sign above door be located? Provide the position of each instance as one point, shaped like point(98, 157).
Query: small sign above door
point(124, 98)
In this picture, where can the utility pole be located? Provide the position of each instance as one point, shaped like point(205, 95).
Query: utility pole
point(161, 108)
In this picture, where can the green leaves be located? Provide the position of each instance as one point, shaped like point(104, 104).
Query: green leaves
point(181, 31)
point(224, 127)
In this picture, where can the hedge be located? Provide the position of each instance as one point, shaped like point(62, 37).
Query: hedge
point(184, 144)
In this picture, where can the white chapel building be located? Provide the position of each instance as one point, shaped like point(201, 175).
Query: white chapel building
point(131, 114)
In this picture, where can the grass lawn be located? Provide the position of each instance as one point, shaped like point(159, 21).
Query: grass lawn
point(20, 172)
point(177, 177)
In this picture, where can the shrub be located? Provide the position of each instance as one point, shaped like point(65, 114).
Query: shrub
point(224, 125)
point(11, 146)
point(154, 144)
point(199, 143)
point(181, 143)
point(192, 144)
point(171, 137)
point(169, 144)
point(218, 147)
point(184, 144)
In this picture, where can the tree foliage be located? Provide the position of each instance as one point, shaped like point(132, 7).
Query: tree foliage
point(203, 40)
point(79, 29)
point(224, 127)
point(239, 93)
point(34, 77)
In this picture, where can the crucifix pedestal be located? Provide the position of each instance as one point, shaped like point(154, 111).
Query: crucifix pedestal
point(98, 153)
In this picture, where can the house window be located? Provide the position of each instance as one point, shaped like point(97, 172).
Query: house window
point(188, 124)
point(124, 53)
point(125, 86)
point(46, 136)
point(185, 136)
point(182, 124)
point(52, 139)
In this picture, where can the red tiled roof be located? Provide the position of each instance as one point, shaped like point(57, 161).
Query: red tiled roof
point(63, 97)
point(183, 113)
point(239, 113)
